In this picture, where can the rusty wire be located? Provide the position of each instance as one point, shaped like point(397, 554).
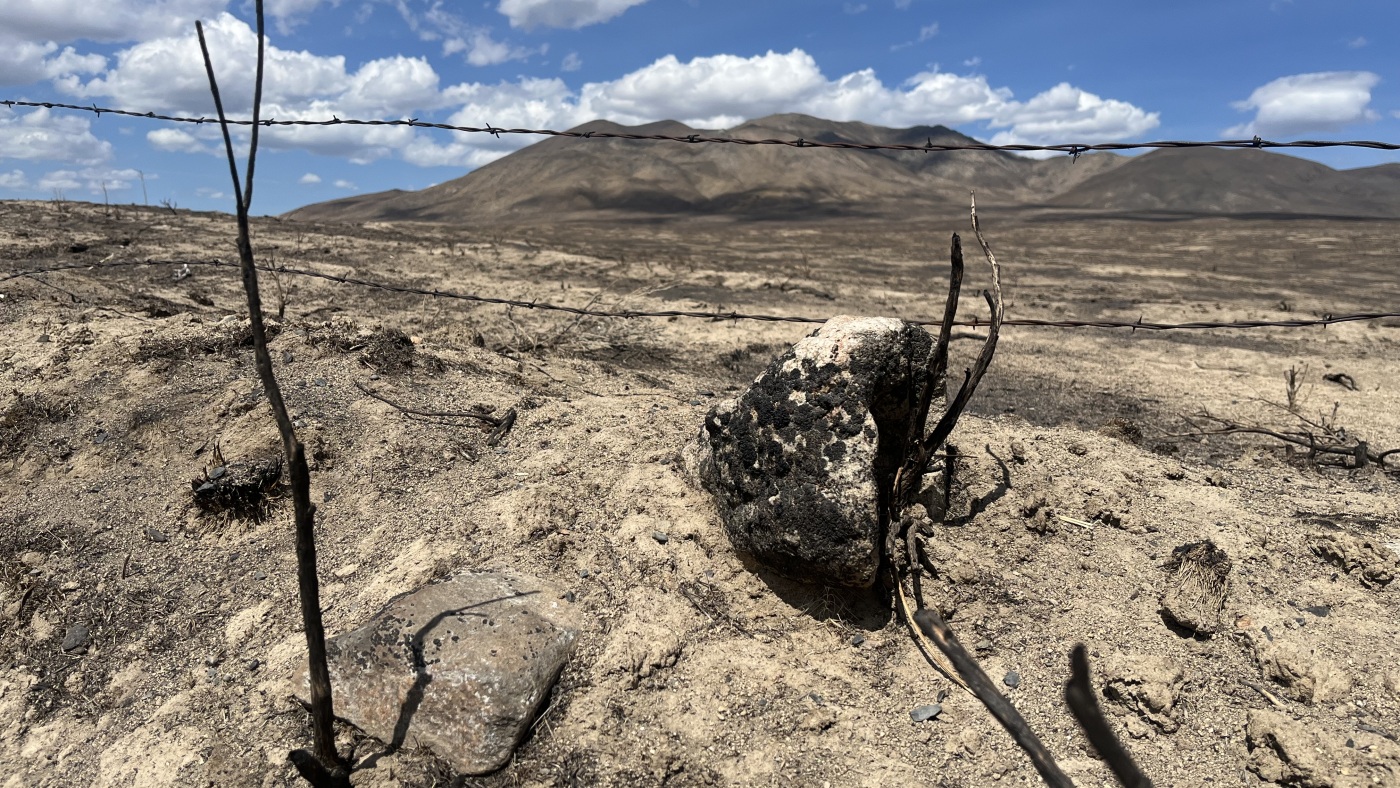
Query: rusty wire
point(1073, 149)
point(714, 316)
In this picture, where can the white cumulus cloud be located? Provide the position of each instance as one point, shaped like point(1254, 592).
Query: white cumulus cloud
point(1065, 113)
point(722, 90)
point(109, 20)
point(458, 35)
point(178, 141)
point(309, 178)
point(344, 184)
point(714, 92)
point(1324, 101)
point(24, 62)
point(483, 50)
point(14, 179)
point(115, 21)
point(168, 73)
point(571, 14)
point(46, 135)
point(92, 179)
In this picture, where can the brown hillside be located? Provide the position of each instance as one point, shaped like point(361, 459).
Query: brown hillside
point(1208, 180)
point(568, 178)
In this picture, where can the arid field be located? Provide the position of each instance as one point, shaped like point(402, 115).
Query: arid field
point(144, 643)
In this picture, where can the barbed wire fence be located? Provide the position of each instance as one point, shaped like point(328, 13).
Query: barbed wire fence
point(1072, 149)
point(712, 316)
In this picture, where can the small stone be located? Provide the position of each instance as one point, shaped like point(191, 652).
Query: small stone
point(286, 357)
point(218, 473)
point(926, 713)
point(474, 655)
point(695, 402)
point(156, 535)
point(818, 719)
point(1012, 679)
point(661, 538)
point(76, 640)
point(568, 596)
point(260, 575)
point(857, 639)
point(254, 664)
point(983, 645)
point(1321, 611)
point(583, 573)
point(43, 338)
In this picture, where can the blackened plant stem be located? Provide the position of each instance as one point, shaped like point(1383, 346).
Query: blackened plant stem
point(327, 769)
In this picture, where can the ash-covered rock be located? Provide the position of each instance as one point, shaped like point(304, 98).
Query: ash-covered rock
point(797, 463)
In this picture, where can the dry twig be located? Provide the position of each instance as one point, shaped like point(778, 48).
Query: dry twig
point(920, 449)
point(936, 629)
point(325, 767)
point(1318, 437)
point(501, 424)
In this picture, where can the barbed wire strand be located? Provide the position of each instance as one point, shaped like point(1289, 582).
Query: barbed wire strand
point(714, 316)
point(1073, 149)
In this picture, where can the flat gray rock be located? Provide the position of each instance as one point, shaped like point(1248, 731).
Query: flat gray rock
point(459, 666)
point(794, 462)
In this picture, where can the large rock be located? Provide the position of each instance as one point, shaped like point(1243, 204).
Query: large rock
point(459, 666)
point(797, 461)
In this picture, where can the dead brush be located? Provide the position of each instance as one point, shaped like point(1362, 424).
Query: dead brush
point(901, 523)
point(241, 490)
point(1320, 441)
point(23, 416)
point(533, 333)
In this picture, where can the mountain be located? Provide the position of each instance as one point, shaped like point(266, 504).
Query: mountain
point(563, 178)
point(1217, 181)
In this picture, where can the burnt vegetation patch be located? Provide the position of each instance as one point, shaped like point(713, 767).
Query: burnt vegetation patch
point(24, 419)
point(240, 490)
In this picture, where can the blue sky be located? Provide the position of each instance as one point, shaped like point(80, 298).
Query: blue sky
point(1075, 71)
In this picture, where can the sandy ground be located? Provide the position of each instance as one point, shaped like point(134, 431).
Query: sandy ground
point(695, 667)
